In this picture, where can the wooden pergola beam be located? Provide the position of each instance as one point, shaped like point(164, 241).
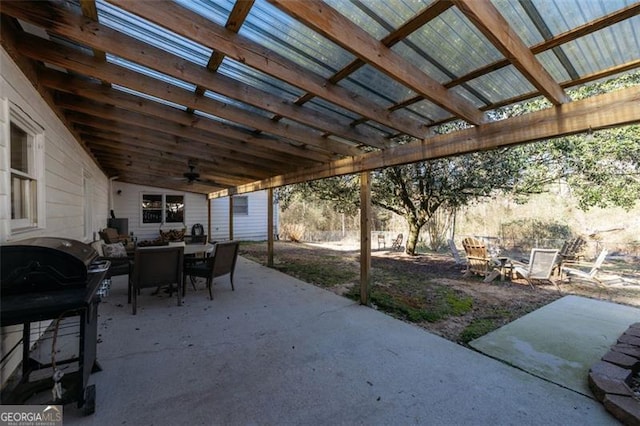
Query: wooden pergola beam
point(337, 28)
point(216, 132)
point(199, 29)
point(93, 34)
point(118, 116)
point(492, 24)
point(37, 48)
point(613, 109)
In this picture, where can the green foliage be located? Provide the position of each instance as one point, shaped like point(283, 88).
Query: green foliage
point(601, 169)
point(478, 327)
point(434, 306)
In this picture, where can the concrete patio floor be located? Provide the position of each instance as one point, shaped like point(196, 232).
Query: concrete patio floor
point(278, 351)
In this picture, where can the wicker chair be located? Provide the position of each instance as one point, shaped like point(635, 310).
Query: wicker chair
point(221, 262)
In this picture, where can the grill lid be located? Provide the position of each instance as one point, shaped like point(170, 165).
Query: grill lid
point(44, 264)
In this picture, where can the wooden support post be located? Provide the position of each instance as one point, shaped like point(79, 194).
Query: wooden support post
point(231, 217)
point(365, 237)
point(270, 227)
point(208, 219)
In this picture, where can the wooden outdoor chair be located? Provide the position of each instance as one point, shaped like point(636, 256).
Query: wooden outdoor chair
point(479, 262)
point(156, 267)
point(397, 243)
point(221, 262)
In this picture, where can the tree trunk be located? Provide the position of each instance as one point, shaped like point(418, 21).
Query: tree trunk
point(412, 238)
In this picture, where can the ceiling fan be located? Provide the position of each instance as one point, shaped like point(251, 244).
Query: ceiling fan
point(191, 176)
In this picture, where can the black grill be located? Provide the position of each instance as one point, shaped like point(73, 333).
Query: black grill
point(49, 278)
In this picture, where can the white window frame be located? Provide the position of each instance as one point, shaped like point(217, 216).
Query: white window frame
point(163, 198)
point(35, 174)
point(240, 209)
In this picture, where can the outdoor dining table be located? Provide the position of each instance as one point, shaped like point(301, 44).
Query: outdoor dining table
point(193, 249)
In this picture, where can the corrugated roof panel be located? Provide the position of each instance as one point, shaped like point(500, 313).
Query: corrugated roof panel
point(319, 104)
point(518, 20)
point(426, 108)
point(279, 32)
point(418, 57)
point(372, 84)
point(561, 16)
point(217, 11)
point(223, 121)
point(134, 26)
point(149, 97)
point(149, 72)
point(554, 66)
point(464, 92)
point(377, 17)
point(606, 48)
point(259, 80)
point(238, 104)
point(502, 84)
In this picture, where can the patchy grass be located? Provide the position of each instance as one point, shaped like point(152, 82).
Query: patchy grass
point(428, 290)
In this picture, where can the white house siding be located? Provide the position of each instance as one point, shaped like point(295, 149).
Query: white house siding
point(252, 226)
point(65, 162)
point(128, 204)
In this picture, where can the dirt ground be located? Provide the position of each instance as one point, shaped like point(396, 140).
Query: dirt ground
point(418, 280)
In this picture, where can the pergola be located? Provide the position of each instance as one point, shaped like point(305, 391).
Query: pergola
point(265, 93)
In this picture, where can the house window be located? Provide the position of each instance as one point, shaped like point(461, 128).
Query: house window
point(241, 206)
point(162, 208)
point(26, 166)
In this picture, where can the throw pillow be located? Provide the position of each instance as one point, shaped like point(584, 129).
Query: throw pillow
point(114, 250)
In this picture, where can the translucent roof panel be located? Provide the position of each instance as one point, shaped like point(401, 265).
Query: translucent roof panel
point(150, 73)
point(139, 28)
point(453, 42)
point(519, 21)
point(149, 97)
point(606, 48)
point(504, 83)
point(217, 11)
point(259, 80)
point(371, 83)
point(284, 35)
point(222, 120)
point(330, 109)
point(376, 17)
point(428, 109)
point(237, 104)
point(554, 66)
point(561, 16)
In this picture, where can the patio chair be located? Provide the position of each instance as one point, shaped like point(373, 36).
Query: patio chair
point(397, 243)
point(541, 263)
point(156, 267)
point(479, 262)
point(455, 253)
point(571, 251)
point(221, 262)
point(577, 269)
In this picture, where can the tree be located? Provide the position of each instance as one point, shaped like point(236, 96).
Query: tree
point(601, 169)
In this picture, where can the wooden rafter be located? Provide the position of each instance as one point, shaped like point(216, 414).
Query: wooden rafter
point(195, 27)
point(493, 25)
point(608, 110)
point(214, 130)
point(340, 30)
point(234, 23)
point(74, 60)
point(95, 35)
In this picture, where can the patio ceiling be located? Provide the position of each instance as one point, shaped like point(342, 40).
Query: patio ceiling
point(270, 92)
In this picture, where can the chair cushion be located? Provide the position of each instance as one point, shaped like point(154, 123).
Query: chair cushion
point(114, 250)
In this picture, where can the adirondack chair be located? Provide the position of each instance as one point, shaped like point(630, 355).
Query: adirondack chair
point(576, 270)
point(541, 263)
point(479, 262)
point(571, 251)
point(455, 253)
point(397, 243)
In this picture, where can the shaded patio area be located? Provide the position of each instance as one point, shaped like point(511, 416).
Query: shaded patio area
point(280, 351)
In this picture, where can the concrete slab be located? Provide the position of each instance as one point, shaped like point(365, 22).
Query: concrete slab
point(280, 351)
point(560, 341)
